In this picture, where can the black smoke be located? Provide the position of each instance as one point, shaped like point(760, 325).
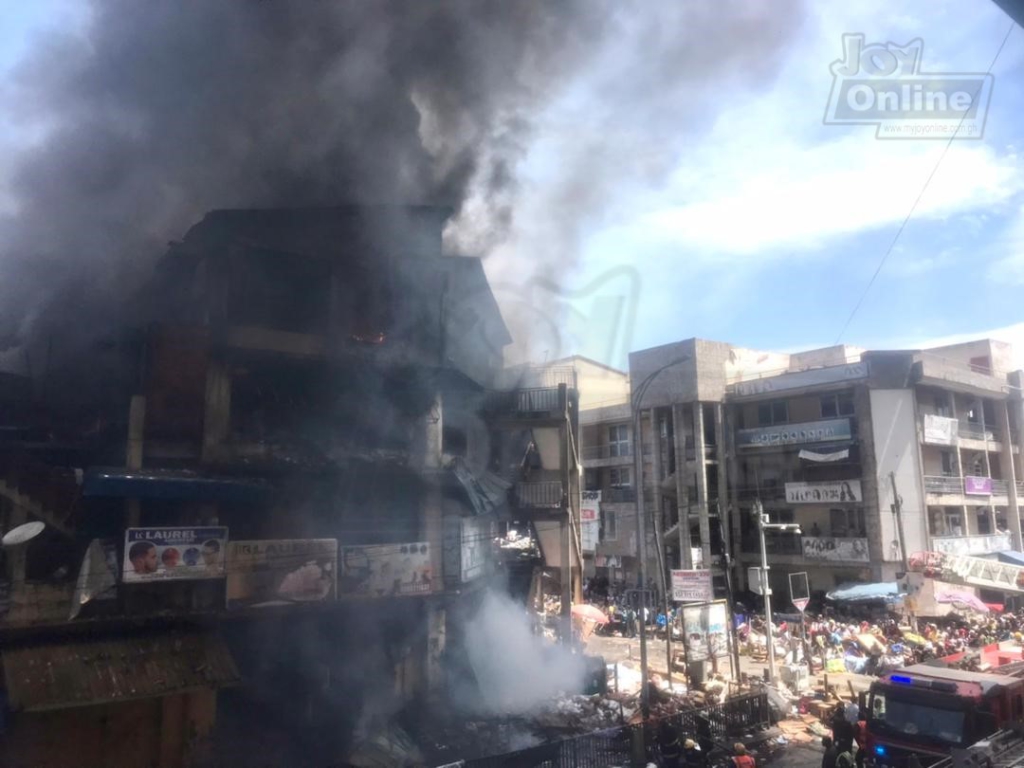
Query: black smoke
point(156, 113)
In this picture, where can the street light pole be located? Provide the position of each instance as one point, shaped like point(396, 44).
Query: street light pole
point(641, 529)
point(762, 526)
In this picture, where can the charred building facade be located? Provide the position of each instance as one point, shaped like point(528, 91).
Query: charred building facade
point(268, 498)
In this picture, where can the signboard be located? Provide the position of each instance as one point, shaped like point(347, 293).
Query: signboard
point(940, 430)
point(829, 492)
point(799, 590)
point(157, 554)
point(590, 520)
point(692, 586)
point(386, 570)
point(795, 434)
point(801, 379)
point(978, 486)
point(754, 580)
point(972, 545)
point(468, 547)
point(706, 628)
point(281, 571)
point(831, 549)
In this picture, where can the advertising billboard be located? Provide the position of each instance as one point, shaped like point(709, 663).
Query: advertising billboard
point(590, 520)
point(795, 434)
point(386, 570)
point(706, 628)
point(174, 553)
point(281, 571)
point(830, 492)
point(692, 586)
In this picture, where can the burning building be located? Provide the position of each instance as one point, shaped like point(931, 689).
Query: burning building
point(267, 496)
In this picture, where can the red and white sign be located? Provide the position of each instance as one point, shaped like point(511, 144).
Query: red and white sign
point(801, 603)
point(590, 520)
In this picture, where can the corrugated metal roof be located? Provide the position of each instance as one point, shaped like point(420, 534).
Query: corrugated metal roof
point(88, 672)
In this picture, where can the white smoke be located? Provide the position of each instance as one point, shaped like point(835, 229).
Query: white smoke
point(517, 671)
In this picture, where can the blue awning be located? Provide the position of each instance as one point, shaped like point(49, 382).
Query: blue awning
point(887, 591)
point(1011, 557)
point(176, 485)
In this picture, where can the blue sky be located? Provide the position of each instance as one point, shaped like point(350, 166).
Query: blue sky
point(752, 222)
point(770, 224)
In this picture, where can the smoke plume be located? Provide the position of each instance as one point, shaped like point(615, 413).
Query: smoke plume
point(156, 113)
point(516, 670)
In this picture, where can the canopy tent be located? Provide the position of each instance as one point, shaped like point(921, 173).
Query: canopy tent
point(862, 593)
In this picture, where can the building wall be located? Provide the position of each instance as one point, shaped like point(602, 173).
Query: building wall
point(894, 425)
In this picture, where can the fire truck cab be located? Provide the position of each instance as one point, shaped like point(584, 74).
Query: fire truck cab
point(931, 709)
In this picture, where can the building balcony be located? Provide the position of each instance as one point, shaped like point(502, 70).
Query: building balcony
point(613, 455)
point(968, 489)
point(972, 545)
point(776, 543)
point(535, 406)
point(543, 494)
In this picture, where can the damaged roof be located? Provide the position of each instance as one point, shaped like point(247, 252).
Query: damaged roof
point(86, 672)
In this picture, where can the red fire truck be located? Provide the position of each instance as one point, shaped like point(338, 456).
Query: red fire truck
point(934, 708)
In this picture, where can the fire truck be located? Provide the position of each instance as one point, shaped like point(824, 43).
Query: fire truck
point(931, 710)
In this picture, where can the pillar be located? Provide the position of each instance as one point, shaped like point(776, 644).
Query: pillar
point(1009, 474)
point(682, 487)
point(427, 451)
point(700, 463)
point(217, 411)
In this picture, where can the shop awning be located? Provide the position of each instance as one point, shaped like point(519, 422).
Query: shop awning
point(1011, 557)
point(861, 593)
point(87, 672)
point(487, 493)
point(177, 485)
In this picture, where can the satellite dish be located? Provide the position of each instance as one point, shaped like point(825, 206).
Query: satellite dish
point(23, 533)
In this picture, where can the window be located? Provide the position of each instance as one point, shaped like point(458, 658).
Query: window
point(848, 523)
point(985, 521)
point(772, 413)
point(619, 477)
point(618, 440)
point(611, 525)
point(942, 406)
point(591, 480)
point(947, 464)
point(836, 405)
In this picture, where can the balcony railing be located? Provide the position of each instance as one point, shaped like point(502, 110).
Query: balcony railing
point(545, 494)
point(613, 451)
point(970, 431)
point(538, 402)
point(956, 485)
point(776, 543)
point(619, 495)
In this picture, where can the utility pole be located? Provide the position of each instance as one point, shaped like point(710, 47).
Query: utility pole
point(762, 525)
point(901, 539)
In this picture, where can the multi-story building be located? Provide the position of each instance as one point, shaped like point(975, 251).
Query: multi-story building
point(283, 475)
point(820, 438)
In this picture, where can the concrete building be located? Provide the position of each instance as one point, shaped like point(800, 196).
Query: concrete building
point(819, 437)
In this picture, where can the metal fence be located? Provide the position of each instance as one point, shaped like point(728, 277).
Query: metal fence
point(615, 747)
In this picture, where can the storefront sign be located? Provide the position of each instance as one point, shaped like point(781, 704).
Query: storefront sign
point(978, 486)
point(386, 570)
point(590, 520)
point(692, 586)
point(972, 545)
point(835, 550)
point(801, 379)
point(795, 434)
point(281, 571)
point(468, 548)
point(832, 492)
point(940, 430)
point(706, 631)
point(157, 554)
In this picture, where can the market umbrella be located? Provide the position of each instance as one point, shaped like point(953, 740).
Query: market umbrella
point(590, 612)
point(961, 599)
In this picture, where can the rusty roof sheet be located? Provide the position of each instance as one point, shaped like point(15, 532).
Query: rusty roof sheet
point(90, 671)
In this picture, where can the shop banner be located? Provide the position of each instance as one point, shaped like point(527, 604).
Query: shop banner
point(692, 586)
point(794, 434)
point(590, 520)
point(159, 554)
point(828, 492)
point(281, 571)
point(706, 628)
point(940, 430)
point(978, 486)
point(835, 550)
point(386, 570)
point(468, 548)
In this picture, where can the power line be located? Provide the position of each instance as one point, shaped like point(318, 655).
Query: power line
point(920, 194)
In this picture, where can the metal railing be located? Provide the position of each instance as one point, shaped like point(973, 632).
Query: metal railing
point(1000, 488)
point(943, 484)
point(735, 717)
point(775, 542)
point(611, 451)
point(525, 403)
point(971, 431)
point(545, 494)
